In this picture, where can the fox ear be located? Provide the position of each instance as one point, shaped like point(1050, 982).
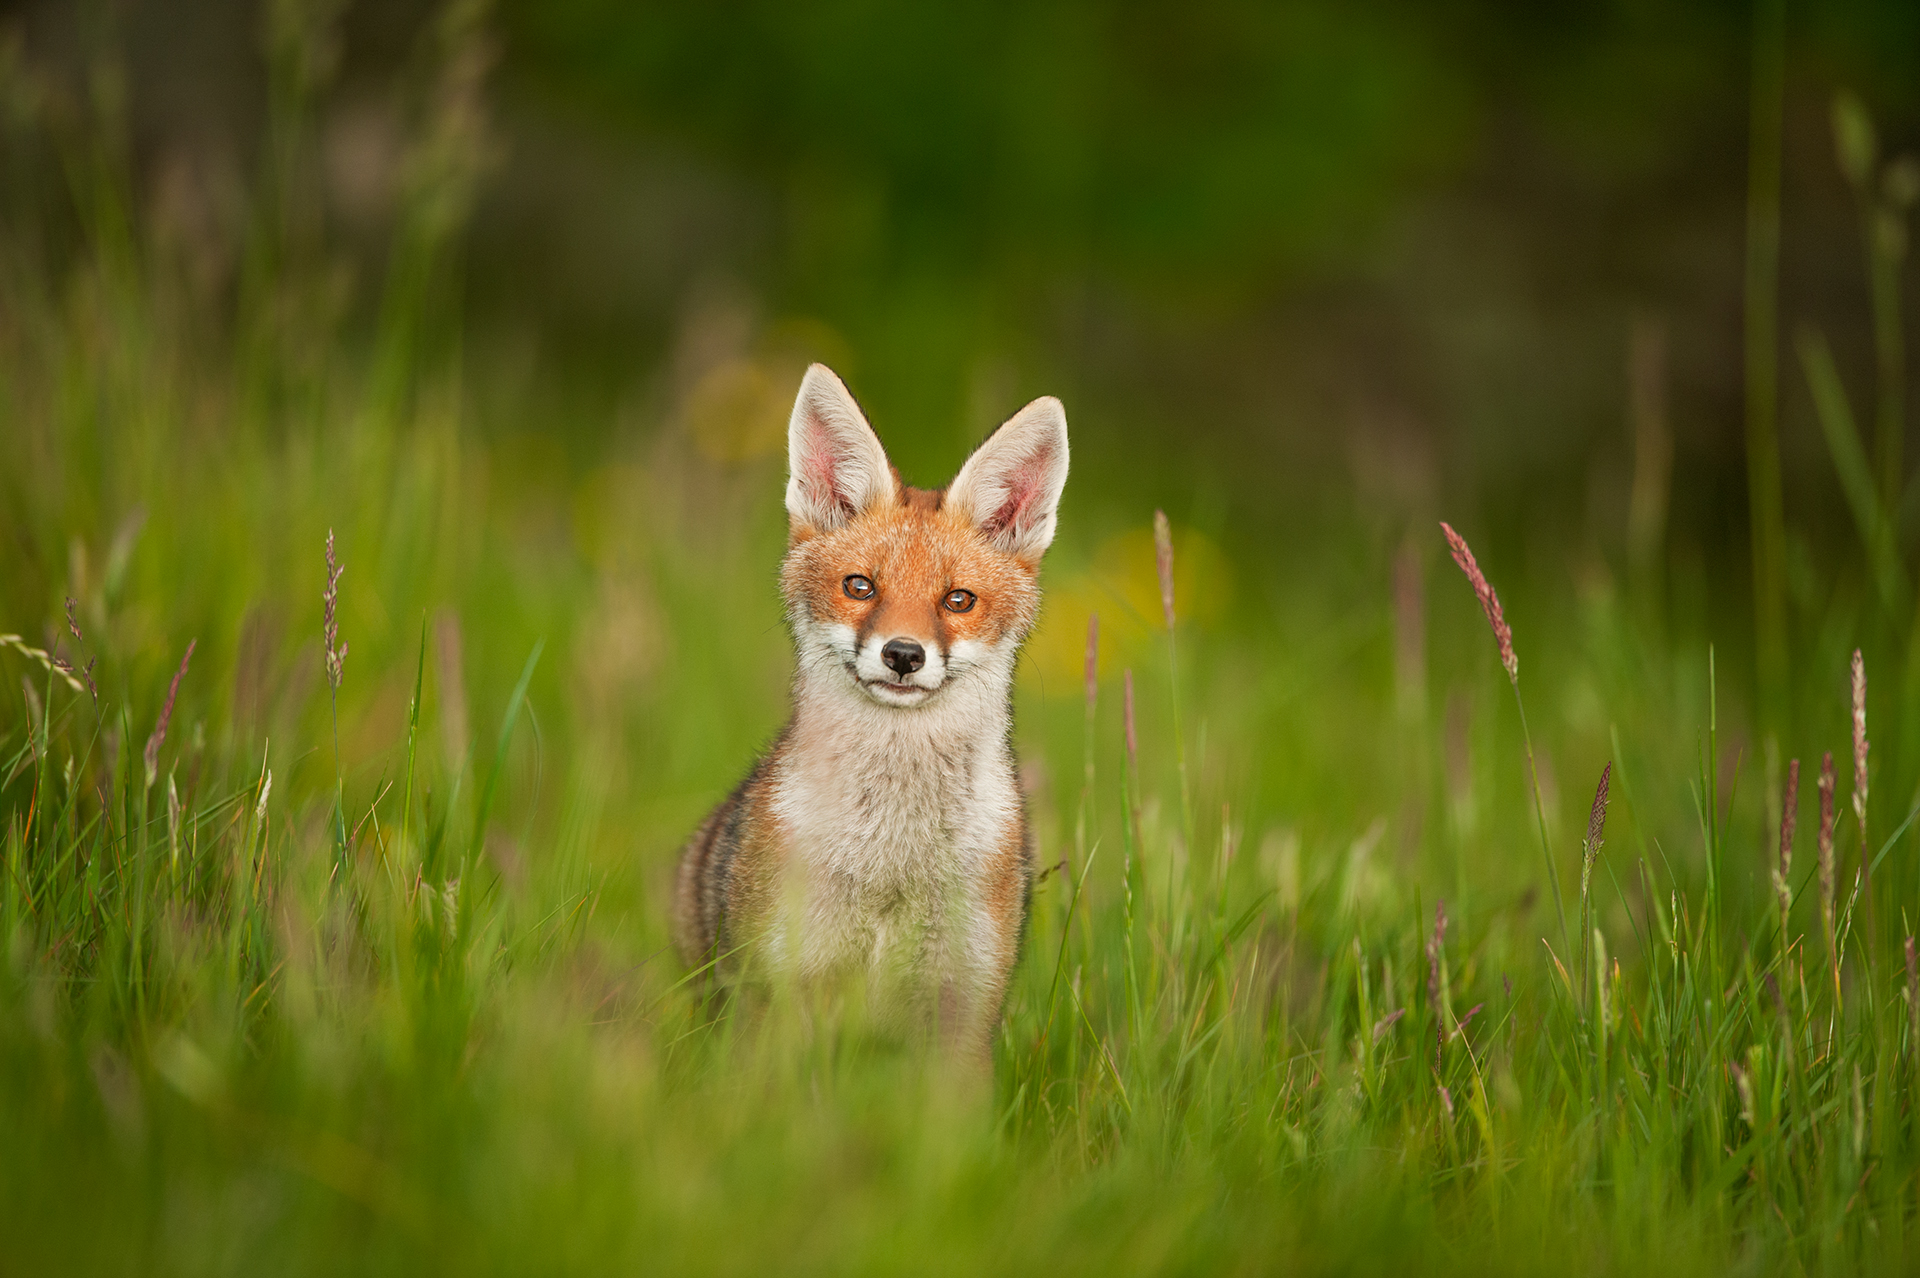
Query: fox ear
point(835, 465)
point(1011, 485)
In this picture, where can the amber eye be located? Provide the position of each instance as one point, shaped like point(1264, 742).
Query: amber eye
point(959, 601)
point(858, 587)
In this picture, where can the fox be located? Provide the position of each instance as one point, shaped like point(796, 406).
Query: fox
point(883, 836)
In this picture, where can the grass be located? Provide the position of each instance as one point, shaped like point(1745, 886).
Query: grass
point(371, 976)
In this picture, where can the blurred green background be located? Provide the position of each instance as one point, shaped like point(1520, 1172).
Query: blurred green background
point(1287, 264)
point(514, 299)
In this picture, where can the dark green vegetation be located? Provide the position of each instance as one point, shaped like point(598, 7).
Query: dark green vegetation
point(357, 963)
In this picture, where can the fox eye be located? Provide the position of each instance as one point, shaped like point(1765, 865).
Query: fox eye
point(959, 600)
point(858, 587)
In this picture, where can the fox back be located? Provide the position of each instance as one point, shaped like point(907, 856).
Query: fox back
point(883, 836)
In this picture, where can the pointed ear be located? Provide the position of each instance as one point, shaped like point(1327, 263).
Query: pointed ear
point(835, 465)
point(1010, 487)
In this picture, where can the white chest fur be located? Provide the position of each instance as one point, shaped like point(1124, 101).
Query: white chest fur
point(892, 819)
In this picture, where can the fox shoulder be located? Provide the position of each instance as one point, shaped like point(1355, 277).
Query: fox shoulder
point(724, 869)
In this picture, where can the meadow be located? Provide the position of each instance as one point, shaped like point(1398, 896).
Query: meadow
point(354, 713)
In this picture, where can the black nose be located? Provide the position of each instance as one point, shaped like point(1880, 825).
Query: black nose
point(903, 656)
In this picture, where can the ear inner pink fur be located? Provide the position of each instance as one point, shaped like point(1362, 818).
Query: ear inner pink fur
point(1024, 484)
point(820, 465)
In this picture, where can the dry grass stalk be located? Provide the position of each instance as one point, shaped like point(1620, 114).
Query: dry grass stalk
point(1163, 565)
point(1826, 866)
point(1789, 806)
point(159, 736)
point(1133, 850)
point(1743, 1088)
point(1860, 789)
point(174, 812)
point(1163, 562)
point(1589, 853)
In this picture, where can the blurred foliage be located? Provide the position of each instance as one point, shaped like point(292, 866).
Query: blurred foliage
point(512, 303)
point(1064, 186)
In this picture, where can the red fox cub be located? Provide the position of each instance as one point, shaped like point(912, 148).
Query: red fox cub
point(883, 836)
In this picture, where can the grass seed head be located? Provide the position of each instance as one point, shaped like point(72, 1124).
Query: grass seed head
point(159, 736)
point(1860, 741)
point(1826, 835)
point(1596, 827)
point(1489, 601)
point(66, 667)
point(56, 664)
point(1133, 742)
point(1163, 562)
point(1597, 818)
point(336, 652)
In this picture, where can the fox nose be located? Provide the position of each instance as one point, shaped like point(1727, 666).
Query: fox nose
point(903, 656)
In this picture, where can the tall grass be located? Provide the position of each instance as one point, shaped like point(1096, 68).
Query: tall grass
point(400, 1004)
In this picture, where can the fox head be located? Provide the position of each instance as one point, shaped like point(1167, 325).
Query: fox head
point(900, 593)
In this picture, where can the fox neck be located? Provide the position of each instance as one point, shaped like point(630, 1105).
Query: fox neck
point(974, 709)
point(886, 794)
